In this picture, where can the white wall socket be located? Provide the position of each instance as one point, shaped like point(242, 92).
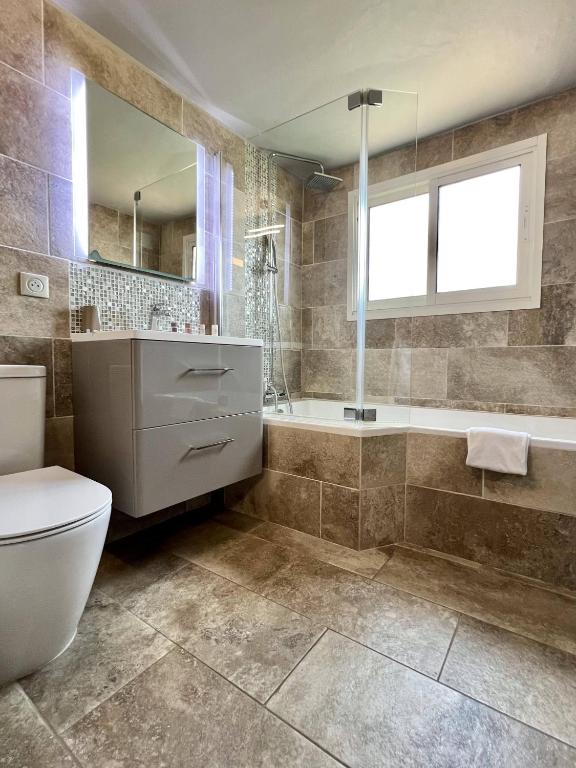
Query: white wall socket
point(34, 285)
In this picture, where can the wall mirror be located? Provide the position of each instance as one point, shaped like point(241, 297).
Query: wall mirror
point(138, 186)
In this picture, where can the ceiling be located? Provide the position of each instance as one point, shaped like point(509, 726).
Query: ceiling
point(257, 63)
point(129, 151)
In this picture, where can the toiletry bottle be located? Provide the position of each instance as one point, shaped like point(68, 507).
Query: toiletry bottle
point(214, 330)
point(174, 327)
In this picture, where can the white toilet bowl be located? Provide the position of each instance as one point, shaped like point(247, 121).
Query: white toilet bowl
point(53, 524)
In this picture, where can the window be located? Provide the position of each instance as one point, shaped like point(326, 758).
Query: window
point(461, 237)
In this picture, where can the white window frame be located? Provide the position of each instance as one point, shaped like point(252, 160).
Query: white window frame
point(530, 154)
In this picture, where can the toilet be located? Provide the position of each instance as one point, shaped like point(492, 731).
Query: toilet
point(53, 523)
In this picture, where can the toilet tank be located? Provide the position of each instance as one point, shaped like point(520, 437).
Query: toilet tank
point(22, 415)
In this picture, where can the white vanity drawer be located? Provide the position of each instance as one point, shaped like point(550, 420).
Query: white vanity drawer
point(185, 460)
point(179, 381)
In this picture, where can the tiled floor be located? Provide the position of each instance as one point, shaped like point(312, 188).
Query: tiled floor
point(233, 643)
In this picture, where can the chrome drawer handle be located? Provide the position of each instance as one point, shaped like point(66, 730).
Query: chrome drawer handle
point(209, 370)
point(210, 445)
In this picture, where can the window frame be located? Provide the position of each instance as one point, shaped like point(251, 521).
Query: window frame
point(530, 154)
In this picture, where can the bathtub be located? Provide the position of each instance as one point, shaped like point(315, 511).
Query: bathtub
point(328, 416)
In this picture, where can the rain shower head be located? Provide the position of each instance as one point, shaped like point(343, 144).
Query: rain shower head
point(322, 182)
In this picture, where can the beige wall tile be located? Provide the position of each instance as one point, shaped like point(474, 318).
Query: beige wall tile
point(36, 124)
point(331, 238)
point(62, 377)
point(326, 370)
point(279, 498)
point(429, 372)
point(324, 283)
point(518, 539)
point(530, 375)
point(340, 515)
point(60, 218)
point(320, 205)
point(318, 455)
point(23, 206)
point(331, 329)
point(476, 329)
point(553, 323)
point(382, 334)
point(296, 241)
point(550, 483)
point(21, 36)
point(435, 150)
point(26, 315)
point(440, 462)
point(308, 242)
point(398, 162)
point(104, 225)
point(560, 195)
point(307, 319)
point(381, 516)
point(387, 372)
point(28, 350)
point(559, 252)
point(289, 284)
point(68, 43)
point(289, 192)
point(59, 443)
point(383, 460)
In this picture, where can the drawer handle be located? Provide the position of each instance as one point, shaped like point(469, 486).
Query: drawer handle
point(210, 445)
point(209, 370)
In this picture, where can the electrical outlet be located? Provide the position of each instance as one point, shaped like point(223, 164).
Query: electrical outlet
point(34, 285)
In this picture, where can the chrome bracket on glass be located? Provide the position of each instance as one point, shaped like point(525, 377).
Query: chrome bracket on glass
point(360, 414)
point(215, 371)
point(210, 445)
point(369, 96)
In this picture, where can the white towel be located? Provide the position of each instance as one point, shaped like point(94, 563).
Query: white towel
point(499, 450)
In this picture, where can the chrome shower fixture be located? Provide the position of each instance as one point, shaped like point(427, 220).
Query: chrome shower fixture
point(319, 181)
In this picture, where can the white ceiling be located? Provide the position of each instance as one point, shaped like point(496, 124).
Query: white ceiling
point(257, 63)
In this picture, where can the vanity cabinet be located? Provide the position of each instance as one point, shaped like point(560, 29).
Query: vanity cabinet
point(161, 418)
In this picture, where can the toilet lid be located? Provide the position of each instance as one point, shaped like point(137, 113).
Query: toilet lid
point(41, 500)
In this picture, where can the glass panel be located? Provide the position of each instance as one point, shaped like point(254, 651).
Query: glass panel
point(398, 248)
point(478, 231)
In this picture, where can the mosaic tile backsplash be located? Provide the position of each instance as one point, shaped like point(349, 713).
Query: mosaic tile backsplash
point(125, 299)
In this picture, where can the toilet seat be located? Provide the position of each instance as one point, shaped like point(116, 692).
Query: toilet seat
point(48, 501)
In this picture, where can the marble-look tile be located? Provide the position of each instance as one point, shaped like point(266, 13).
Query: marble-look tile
point(295, 241)
point(62, 377)
point(308, 242)
point(180, 713)
point(408, 629)
point(331, 238)
point(68, 42)
point(560, 194)
point(390, 165)
point(428, 373)
point(370, 712)
point(438, 461)
point(110, 649)
point(517, 539)
point(550, 483)
point(251, 641)
point(237, 521)
point(293, 370)
point(25, 739)
point(21, 36)
point(383, 460)
point(387, 372)
point(382, 334)
point(60, 220)
point(340, 515)
point(59, 442)
point(322, 205)
point(540, 410)
point(366, 563)
point(381, 516)
point(532, 682)
point(482, 329)
point(553, 323)
point(434, 150)
point(38, 131)
point(289, 284)
point(104, 226)
point(318, 455)
point(236, 556)
point(25, 314)
point(215, 137)
point(331, 329)
point(279, 498)
point(289, 192)
point(23, 206)
point(28, 350)
point(559, 253)
point(328, 370)
point(484, 593)
point(324, 283)
point(530, 375)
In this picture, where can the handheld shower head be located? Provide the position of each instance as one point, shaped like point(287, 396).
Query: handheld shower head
point(322, 182)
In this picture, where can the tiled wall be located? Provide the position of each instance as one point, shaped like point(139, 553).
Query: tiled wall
point(521, 361)
point(365, 492)
point(38, 45)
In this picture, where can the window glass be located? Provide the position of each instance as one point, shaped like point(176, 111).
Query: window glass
point(398, 248)
point(478, 231)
